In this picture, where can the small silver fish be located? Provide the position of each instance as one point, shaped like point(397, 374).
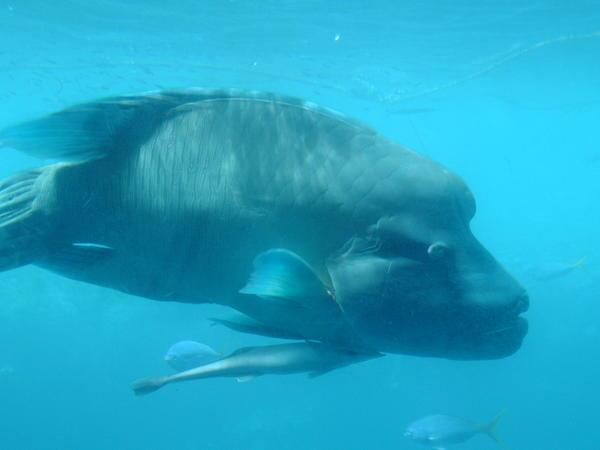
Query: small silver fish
point(440, 431)
point(185, 355)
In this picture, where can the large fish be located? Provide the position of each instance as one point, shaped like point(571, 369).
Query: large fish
point(357, 241)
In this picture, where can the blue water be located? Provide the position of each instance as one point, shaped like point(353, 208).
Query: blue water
point(504, 93)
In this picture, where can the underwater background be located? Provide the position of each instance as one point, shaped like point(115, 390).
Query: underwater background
point(504, 93)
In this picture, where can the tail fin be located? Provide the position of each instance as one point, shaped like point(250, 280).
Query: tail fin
point(148, 385)
point(490, 429)
point(23, 222)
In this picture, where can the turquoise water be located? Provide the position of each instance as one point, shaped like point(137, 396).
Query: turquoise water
point(506, 94)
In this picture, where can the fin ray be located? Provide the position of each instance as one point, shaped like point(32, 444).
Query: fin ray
point(283, 275)
point(22, 223)
point(94, 129)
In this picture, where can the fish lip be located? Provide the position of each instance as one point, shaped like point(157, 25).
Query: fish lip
point(513, 317)
point(504, 339)
point(522, 304)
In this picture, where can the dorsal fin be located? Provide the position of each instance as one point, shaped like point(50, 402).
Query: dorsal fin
point(88, 130)
point(95, 129)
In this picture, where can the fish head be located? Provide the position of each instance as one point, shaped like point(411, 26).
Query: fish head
point(171, 358)
point(417, 281)
point(178, 353)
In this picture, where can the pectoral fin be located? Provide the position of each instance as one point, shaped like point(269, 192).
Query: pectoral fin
point(281, 274)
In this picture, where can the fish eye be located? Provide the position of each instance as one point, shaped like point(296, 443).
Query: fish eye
point(405, 248)
point(437, 250)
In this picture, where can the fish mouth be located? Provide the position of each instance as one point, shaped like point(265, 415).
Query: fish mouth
point(518, 324)
point(504, 339)
point(514, 321)
point(502, 334)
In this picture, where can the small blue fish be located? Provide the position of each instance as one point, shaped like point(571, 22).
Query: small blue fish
point(440, 431)
point(185, 355)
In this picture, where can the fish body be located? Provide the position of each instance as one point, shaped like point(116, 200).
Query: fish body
point(185, 355)
point(172, 196)
point(440, 431)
